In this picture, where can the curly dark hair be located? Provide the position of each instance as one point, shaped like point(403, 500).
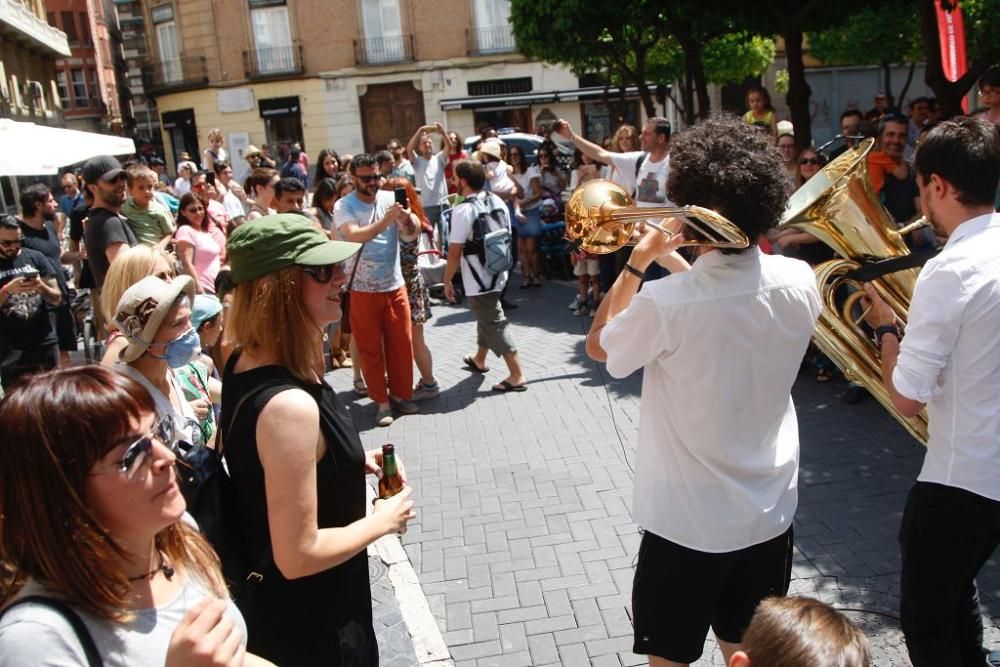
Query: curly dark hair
point(730, 167)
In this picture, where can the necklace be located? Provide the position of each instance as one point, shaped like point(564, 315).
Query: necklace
point(168, 571)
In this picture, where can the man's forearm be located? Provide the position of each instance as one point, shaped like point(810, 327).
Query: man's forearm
point(588, 148)
point(618, 298)
point(454, 261)
point(50, 293)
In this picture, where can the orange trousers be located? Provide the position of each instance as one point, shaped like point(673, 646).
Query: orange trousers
point(380, 324)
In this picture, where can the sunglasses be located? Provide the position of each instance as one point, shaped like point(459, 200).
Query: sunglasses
point(369, 179)
point(11, 244)
point(809, 160)
point(194, 209)
point(138, 454)
point(323, 274)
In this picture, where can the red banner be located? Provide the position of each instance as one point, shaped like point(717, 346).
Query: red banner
point(951, 35)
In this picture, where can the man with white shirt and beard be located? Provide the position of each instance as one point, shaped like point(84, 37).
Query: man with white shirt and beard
point(720, 342)
point(949, 361)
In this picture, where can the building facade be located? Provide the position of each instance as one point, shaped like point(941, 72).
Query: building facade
point(145, 119)
point(91, 96)
point(29, 49)
point(345, 74)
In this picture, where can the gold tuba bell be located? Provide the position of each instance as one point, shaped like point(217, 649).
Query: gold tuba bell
point(839, 207)
point(601, 216)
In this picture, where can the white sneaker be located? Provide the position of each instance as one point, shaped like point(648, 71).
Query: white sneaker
point(576, 303)
point(581, 310)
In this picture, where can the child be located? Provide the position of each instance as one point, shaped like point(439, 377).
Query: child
point(147, 216)
point(800, 632)
point(588, 273)
point(761, 112)
point(498, 174)
point(199, 379)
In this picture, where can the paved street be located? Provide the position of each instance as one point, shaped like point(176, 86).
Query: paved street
point(524, 544)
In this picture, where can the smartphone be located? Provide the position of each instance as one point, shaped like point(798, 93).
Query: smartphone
point(29, 275)
point(401, 197)
point(210, 178)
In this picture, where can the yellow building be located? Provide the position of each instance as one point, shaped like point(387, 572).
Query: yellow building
point(29, 48)
point(346, 74)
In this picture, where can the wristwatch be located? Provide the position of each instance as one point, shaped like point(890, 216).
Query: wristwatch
point(883, 330)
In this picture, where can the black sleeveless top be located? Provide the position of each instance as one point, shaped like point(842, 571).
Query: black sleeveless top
point(323, 619)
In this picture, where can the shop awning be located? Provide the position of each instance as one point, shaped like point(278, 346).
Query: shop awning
point(527, 99)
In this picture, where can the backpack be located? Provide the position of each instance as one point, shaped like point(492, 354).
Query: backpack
point(492, 248)
point(638, 168)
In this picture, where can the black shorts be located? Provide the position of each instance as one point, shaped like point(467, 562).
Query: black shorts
point(678, 593)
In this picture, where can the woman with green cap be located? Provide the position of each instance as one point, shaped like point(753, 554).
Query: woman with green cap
point(293, 453)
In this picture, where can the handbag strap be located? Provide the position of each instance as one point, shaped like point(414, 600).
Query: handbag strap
point(67, 612)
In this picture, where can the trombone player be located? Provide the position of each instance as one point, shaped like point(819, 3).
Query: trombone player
point(718, 448)
point(950, 361)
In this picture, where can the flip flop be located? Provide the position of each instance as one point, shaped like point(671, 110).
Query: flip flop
point(506, 386)
point(470, 363)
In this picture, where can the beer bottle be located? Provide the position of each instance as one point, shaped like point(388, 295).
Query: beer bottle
point(391, 483)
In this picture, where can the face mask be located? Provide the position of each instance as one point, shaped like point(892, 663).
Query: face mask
point(181, 350)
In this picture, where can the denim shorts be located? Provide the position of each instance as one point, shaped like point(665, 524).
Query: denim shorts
point(532, 227)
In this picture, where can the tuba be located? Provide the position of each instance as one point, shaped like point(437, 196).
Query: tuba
point(601, 217)
point(839, 207)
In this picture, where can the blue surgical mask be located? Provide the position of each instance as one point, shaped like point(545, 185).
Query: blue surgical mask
point(181, 350)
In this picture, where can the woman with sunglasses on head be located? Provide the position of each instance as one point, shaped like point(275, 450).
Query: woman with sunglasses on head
point(129, 267)
point(294, 455)
point(201, 245)
point(91, 517)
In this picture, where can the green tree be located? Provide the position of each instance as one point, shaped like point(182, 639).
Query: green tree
point(982, 25)
point(880, 34)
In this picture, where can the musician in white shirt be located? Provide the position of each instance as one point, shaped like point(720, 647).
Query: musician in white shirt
point(949, 361)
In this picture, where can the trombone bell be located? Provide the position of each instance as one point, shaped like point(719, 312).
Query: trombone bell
point(601, 218)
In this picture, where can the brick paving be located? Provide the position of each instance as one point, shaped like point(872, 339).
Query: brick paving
point(524, 543)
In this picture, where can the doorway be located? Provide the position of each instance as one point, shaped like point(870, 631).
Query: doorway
point(180, 127)
point(390, 111)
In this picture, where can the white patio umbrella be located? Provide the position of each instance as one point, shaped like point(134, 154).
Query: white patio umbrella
point(27, 149)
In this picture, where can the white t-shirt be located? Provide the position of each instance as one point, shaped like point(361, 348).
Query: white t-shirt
point(430, 178)
point(379, 269)
point(185, 419)
point(524, 180)
point(501, 182)
point(720, 346)
point(950, 358)
point(650, 187)
point(462, 217)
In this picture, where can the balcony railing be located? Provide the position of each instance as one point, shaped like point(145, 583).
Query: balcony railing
point(190, 72)
point(383, 50)
point(486, 41)
point(274, 61)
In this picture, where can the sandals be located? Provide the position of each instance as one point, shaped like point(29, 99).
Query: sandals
point(360, 388)
point(505, 386)
point(470, 363)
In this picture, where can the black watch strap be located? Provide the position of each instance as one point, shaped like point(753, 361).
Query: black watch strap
point(883, 330)
point(634, 271)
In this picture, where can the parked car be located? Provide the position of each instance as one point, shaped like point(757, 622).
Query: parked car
point(529, 143)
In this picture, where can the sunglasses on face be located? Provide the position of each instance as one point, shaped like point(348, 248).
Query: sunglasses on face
point(370, 179)
point(194, 209)
point(809, 160)
point(323, 274)
point(11, 244)
point(139, 454)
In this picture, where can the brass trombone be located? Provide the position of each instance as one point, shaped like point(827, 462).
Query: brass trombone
point(601, 217)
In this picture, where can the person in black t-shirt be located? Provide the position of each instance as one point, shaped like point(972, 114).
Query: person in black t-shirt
point(27, 340)
point(106, 233)
point(38, 209)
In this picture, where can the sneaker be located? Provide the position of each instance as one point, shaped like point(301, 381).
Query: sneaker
point(576, 303)
point(383, 417)
point(404, 407)
point(424, 391)
point(581, 310)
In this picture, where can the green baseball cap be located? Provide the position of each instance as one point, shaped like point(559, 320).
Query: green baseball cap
point(274, 242)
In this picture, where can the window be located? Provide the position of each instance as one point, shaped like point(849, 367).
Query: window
point(95, 87)
point(85, 29)
point(493, 31)
point(68, 20)
point(166, 40)
point(272, 38)
point(500, 86)
point(383, 31)
point(79, 88)
point(62, 83)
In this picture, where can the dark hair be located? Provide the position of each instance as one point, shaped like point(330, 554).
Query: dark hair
point(259, 177)
point(9, 222)
point(288, 184)
point(917, 100)
point(966, 153)
point(891, 118)
point(219, 165)
point(661, 125)
point(186, 200)
point(761, 90)
point(549, 152)
point(362, 160)
point(523, 162)
point(732, 168)
point(472, 172)
point(852, 112)
point(319, 173)
point(382, 157)
point(33, 197)
point(325, 188)
point(459, 141)
point(990, 77)
point(802, 632)
point(342, 182)
point(223, 283)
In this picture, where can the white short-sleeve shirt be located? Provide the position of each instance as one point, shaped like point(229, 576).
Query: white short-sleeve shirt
point(649, 185)
point(720, 346)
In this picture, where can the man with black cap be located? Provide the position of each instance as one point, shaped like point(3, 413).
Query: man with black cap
point(106, 233)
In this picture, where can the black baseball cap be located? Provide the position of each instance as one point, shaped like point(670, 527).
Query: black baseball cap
point(101, 168)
